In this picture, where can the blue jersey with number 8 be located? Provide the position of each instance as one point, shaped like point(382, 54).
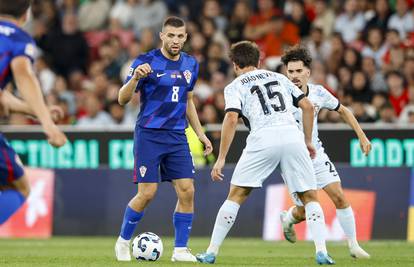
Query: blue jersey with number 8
point(164, 91)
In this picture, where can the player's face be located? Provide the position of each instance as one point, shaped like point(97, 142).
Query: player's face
point(298, 73)
point(173, 39)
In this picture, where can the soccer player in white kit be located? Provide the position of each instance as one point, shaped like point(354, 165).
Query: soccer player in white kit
point(298, 62)
point(266, 100)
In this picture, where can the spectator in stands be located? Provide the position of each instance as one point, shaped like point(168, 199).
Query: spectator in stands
point(352, 58)
point(375, 46)
point(360, 112)
point(381, 17)
point(212, 10)
point(360, 90)
point(336, 53)
point(318, 47)
point(68, 49)
point(344, 78)
point(122, 13)
point(378, 100)
point(260, 25)
point(351, 22)
point(408, 71)
point(394, 56)
point(376, 78)
point(46, 76)
point(237, 22)
point(299, 18)
point(117, 112)
point(148, 14)
point(398, 94)
point(386, 114)
point(93, 14)
point(95, 115)
point(325, 17)
point(402, 20)
point(408, 110)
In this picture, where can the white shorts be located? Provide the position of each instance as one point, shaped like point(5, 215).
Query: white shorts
point(325, 171)
point(286, 150)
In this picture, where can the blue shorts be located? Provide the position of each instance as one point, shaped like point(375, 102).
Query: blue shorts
point(161, 154)
point(11, 168)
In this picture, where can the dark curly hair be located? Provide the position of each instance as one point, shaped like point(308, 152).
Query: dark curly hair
point(297, 53)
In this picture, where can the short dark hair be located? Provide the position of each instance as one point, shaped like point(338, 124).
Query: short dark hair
point(174, 22)
point(14, 8)
point(297, 53)
point(245, 54)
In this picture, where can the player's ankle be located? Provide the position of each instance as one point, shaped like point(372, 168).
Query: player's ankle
point(213, 249)
point(353, 243)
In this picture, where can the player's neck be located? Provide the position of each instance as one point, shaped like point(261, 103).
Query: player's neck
point(170, 57)
point(12, 20)
point(246, 70)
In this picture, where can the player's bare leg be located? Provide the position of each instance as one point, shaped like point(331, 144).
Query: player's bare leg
point(346, 218)
point(224, 221)
point(183, 218)
point(12, 197)
point(315, 221)
point(133, 214)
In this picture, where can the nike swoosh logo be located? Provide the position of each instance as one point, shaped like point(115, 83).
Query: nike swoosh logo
point(160, 74)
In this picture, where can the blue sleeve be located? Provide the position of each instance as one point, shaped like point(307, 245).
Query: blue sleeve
point(25, 48)
point(138, 61)
point(195, 76)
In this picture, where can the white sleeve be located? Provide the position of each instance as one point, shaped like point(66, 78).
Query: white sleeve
point(232, 98)
point(296, 93)
point(329, 101)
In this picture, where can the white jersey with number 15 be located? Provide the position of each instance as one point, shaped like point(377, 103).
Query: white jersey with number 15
point(263, 98)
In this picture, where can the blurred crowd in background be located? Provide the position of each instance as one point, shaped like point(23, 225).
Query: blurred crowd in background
point(363, 51)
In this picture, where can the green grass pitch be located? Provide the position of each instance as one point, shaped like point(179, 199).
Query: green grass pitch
point(98, 251)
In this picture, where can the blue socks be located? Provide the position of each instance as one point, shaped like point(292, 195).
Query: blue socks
point(10, 202)
point(131, 218)
point(182, 224)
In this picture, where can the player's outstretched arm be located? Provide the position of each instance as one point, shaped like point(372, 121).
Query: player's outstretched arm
point(29, 88)
point(227, 134)
point(127, 90)
point(307, 119)
point(350, 119)
point(192, 117)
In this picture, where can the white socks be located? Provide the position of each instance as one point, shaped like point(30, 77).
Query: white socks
point(316, 223)
point(347, 220)
point(224, 221)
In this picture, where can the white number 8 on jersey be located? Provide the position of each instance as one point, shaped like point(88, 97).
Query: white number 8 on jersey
point(174, 97)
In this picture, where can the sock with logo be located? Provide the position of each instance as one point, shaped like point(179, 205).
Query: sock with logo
point(131, 219)
point(224, 221)
point(182, 224)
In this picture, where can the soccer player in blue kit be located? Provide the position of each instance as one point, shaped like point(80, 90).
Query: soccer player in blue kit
point(165, 79)
point(16, 58)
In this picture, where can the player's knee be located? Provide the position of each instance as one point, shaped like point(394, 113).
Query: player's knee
point(339, 200)
point(146, 195)
point(309, 196)
point(186, 193)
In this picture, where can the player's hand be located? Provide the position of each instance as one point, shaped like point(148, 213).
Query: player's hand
point(56, 113)
point(208, 147)
point(55, 136)
point(216, 173)
point(311, 149)
point(365, 145)
point(142, 71)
